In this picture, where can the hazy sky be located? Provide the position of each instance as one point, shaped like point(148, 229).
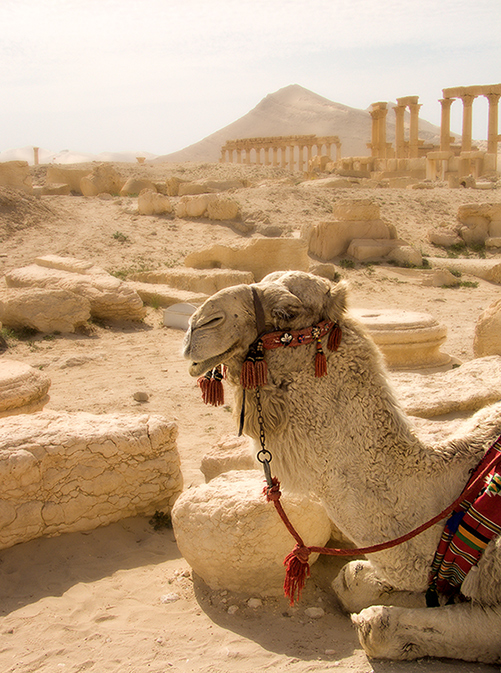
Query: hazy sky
point(158, 75)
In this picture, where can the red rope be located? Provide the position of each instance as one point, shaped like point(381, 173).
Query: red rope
point(297, 561)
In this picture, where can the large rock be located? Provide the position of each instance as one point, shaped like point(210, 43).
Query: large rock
point(164, 295)
point(469, 387)
point(234, 539)
point(46, 309)
point(23, 389)
point(487, 340)
point(16, 174)
point(69, 176)
point(110, 298)
point(149, 202)
point(213, 206)
point(207, 281)
point(104, 179)
point(330, 239)
point(223, 209)
point(260, 256)
point(64, 472)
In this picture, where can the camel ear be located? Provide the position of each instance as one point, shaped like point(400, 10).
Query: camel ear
point(336, 300)
point(283, 305)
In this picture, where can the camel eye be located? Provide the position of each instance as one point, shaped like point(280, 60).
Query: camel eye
point(212, 322)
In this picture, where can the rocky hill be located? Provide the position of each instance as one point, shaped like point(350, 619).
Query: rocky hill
point(296, 110)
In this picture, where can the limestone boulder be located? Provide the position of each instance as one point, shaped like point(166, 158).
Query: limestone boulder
point(494, 243)
point(206, 281)
point(109, 298)
point(440, 278)
point(65, 472)
point(104, 179)
point(70, 176)
point(479, 221)
point(229, 453)
point(45, 309)
point(150, 202)
point(365, 249)
point(16, 174)
point(469, 387)
point(405, 255)
point(260, 256)
point(172, 185)
point(134, 186)
point(223, 209)
point(194, 206)
point(487, 340)
point(23, 389)
point(234, 539)
point(444, 237)
point(330, 239)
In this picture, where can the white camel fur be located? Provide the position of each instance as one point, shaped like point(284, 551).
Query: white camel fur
point(345, 438)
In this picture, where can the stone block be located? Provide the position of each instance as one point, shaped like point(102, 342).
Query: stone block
point(194, 206)
point(109, 298)
point(104, 178)
point(134, 186)
point(229, 453)
point(487, 340)
point(405, 255)
point(172, 185)
point(440, 278)
point(206, 281)
point(364, 249)
point(234, 540)
point(330, 239)
point(69, 176)
point(355, 210)
point(16, 174)
point(408, 340)
point(260, 256)
point(444, 237)
point(23, 389)
point(65, 472)
point(165, 295)
point(56, 189)
point(493, 243)
point(149, 202)
point(467, 388)
point(45, 309)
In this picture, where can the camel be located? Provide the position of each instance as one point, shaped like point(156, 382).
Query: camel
point(344, 438)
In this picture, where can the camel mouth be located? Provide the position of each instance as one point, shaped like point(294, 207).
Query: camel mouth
point(199, 368)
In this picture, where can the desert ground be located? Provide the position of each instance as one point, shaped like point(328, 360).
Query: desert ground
point(122, 598)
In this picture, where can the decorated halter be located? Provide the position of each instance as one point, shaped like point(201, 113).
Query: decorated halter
point(254, 370)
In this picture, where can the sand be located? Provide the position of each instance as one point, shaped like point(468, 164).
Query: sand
point(122, 598)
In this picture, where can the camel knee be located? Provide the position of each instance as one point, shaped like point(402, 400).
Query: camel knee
point(357, 586)
point(383, 636)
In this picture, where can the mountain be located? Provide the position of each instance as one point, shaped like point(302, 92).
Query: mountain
point(296, 110)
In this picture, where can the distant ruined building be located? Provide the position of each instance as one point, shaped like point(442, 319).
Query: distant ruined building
point(409, 158)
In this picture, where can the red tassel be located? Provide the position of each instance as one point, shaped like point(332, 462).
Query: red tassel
point(334, 338)
point(215, 393)
point(320, 361)
point(248, 374)
point(204, 383)
point(261, 373)
point(297, 570)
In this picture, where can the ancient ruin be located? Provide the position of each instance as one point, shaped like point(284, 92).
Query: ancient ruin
point(291, 148)
point(408, 158)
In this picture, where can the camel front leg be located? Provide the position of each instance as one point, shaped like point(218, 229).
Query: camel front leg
point(357, 586)
point(461, 631)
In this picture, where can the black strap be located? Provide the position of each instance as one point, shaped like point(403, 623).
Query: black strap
point(259, 311)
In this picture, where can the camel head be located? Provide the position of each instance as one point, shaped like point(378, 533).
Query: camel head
point(224, 327)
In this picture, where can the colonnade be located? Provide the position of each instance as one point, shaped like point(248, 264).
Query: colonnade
point(382, 149)
point(467, 94)
point(283, 151)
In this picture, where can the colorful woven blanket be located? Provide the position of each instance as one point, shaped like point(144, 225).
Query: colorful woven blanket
point(468, 531)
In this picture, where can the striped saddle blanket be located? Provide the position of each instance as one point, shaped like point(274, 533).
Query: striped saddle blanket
point(468, 531)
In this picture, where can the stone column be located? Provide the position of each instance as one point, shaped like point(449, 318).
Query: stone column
point(467, 121)
point(275, 156)
point(445, 124)
point(283, 157)
point(374, 133)
point(247, 154)
point(414, 130)
point(328, 150)
point(382, 131)
point(399, 111)
point(492, 129)
point(258, 155)
point(222, 160)
point(300, 160)
point(239, 156)
point(338, 151)
point(291, 157)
